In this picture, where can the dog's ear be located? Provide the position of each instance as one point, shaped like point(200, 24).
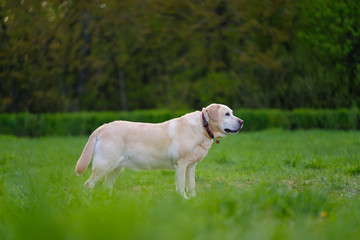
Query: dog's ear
point(213, 111)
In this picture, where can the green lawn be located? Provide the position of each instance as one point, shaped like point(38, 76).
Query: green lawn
point(261, 185)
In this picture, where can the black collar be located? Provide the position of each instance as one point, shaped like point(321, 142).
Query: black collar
point(206, 126)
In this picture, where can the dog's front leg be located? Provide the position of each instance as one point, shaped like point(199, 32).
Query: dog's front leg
point(180, 171)
point(190, 179)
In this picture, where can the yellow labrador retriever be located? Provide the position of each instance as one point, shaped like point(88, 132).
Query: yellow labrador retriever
point(178, 144)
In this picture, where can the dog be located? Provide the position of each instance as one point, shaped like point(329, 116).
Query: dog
point(178, 144)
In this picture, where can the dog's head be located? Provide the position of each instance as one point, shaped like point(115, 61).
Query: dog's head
point(222, 121)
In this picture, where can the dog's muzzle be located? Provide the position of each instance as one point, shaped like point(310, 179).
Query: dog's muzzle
point(241, 124)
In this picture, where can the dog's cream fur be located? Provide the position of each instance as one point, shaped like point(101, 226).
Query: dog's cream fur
point(178, 144)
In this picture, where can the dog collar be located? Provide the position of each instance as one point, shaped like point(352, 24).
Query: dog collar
point(206, 126)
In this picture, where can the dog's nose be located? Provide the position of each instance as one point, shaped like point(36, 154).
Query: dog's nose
point(241, 121)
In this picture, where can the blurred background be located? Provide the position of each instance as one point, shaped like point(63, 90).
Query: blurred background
point(77, 55)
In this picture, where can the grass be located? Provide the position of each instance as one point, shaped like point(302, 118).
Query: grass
point(271, 184)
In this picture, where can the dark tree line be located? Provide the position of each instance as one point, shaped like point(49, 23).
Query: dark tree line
point(110, 55)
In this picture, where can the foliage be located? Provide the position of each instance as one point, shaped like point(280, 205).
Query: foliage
point(329, 39)
point(83, 123)
point(122, 55)
point(275, 185)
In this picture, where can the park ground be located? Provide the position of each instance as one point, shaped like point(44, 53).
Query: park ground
point(271, 184)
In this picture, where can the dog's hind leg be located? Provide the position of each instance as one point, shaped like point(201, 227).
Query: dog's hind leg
point(99, 171)
point(96, 175)
point(112, 176)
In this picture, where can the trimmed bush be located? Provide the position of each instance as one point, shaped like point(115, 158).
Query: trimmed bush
point(341, 119)
point(83, 123)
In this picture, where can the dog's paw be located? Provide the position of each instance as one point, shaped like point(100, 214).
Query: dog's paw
point(89, 185)
point(185, 196)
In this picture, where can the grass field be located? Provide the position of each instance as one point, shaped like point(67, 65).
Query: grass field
point(272, 184)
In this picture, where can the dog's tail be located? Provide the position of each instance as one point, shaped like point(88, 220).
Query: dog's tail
point(88, 152)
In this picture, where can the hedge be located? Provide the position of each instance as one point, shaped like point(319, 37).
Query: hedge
point(340, 119)
point(83, 123)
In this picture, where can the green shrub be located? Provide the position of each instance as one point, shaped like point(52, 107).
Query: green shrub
point(83, 123)
point(263, 118)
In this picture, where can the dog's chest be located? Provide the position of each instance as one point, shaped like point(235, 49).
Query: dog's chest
point(187, 151)
point(199, 153)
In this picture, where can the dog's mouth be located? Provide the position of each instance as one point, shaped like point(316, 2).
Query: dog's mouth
point(231, 131)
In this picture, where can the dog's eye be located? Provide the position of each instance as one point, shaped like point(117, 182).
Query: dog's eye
point(227, 114)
